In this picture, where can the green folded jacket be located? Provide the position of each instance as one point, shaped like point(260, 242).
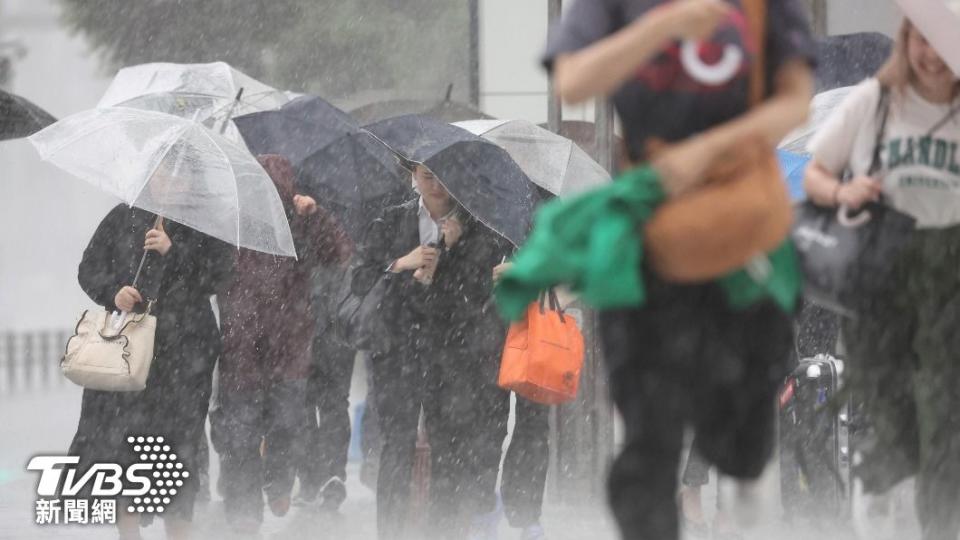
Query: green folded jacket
point(590, 243)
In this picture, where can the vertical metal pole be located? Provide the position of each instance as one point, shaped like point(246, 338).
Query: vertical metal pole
point(818, 17)
point(554, 106)
point(474, 60)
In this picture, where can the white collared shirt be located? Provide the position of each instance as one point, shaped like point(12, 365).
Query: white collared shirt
point(430, 228)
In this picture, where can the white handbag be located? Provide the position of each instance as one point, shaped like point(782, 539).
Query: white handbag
point(102, 357)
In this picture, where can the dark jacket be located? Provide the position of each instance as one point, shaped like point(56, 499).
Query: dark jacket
point(456, 309)
point(268, 319)
point(187, 343)
point(180, 283)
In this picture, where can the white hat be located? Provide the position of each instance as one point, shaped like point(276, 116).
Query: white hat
point(939, 22)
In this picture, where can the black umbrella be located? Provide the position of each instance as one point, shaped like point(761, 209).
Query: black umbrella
point(342, 166)
point(480, 175)
point(445, 111)
point(847, 59)
point(20, 117)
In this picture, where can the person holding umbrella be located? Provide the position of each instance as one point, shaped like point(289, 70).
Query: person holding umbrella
point(268, 327)
point(902, 363)
point(182, 269)
point(441, 354)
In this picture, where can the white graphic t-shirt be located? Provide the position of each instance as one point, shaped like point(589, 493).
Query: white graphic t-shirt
point(920, 172)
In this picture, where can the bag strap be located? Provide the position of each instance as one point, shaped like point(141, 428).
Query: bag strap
point(551, 296)
point(883, 113)
point(756, 14)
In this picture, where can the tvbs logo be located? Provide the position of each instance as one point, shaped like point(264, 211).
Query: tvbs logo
point(152, 482)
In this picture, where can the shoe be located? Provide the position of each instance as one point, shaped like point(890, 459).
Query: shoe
point(280, 507)
point(533, 532)
point(332, 495)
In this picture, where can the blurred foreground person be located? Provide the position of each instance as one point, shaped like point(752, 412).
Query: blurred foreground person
point(182, 269)
point(903, 363)
point(268, 328)
point(686, 358)
point(440, 352)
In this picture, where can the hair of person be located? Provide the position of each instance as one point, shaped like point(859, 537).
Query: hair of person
point(896, 73)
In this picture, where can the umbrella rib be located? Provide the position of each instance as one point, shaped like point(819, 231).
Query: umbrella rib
point(236, 188)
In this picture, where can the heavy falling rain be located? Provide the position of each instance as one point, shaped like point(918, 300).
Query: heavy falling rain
point(480, 270)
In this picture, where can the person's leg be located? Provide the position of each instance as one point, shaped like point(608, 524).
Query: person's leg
point(241, 466)
point(696, 474)
point(525, 464)
point(333, 409)
point(284, 405)
point(370, 441)
point(398, 382)
point(652, 397)
point(308, 439)
point(466, 415)
point(936, 388)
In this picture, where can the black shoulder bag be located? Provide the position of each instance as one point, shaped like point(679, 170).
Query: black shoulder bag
point(846, 258)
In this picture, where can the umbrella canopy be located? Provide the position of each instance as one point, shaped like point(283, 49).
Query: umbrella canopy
point(346, 169)
point(175, 168)
point(480, 175)
point(938, 21)
point(445, 111)
point(202, 91)
point(847, 59)
point(552, 162)
point(20, 118)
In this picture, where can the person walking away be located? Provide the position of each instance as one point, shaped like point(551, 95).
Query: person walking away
point(902, 364)
point(324, 439)
point(441, 353)
point(182, 269)
point(685, 354)
point(268, 329)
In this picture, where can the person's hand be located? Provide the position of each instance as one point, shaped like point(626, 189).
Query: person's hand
point(500, 269)
point(304, 205)
point(127, 299)
point(418, 258)
point(694, 19)
point(452, 230)
point(682, 166)
point(157, 240)
point(858, 192)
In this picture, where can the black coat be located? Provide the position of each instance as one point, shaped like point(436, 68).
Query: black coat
point(187, 342)
point(456, 310)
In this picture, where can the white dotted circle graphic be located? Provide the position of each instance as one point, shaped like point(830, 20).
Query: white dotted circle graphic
point(179, 465)
point(140, 509)
point(139, 439)
point(173, 492)
point(149, 439)
point(186, 474)
point(166, 500)
point(131, 439)
point(131, 509)
point(160, 439)
point(153, 457)
point(179, 483)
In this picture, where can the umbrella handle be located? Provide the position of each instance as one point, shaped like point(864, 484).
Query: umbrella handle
point(852, 221)
point(226, 119)
point(157, 224)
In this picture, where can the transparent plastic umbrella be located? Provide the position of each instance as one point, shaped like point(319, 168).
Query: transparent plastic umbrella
point(208, 92)
point(821, 108)
point(553, 162)
point(175, 168)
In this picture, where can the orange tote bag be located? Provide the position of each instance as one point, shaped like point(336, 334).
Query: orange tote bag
point(543, 354)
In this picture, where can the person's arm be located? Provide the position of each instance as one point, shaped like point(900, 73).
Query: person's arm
point(833, 147)
point(685, 163)
point(95, 273)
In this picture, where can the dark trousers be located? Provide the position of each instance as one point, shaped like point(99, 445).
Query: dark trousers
point(466, 416)
point(246, 418)
point(525, 464)
point(686, 360)
point(324, 436)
